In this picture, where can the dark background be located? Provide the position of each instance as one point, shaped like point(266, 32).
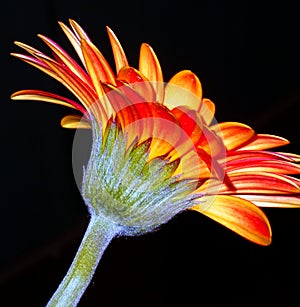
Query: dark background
point(247, 57)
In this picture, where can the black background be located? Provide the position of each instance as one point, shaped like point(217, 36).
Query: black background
point(247, 57)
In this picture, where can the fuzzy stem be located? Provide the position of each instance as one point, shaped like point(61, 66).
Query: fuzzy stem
point(98, 235)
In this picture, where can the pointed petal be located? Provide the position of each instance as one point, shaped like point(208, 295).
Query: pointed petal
point(234, 134)
point(74, 122)
point(119, 54)
point(75, 41)
point(261, 183)
point(79, 32)
point(47, 97)
point(82, 91)
point(189, 121)
point(150, 67)
point(66, 59)
point(39, 64)
point(138, 82)
point(100, 72)
point(239, 215)
point(96, 63)
point(260, 154)
point(207, 111)
point(261, 164)
point(274, 201)
point(183, 89)
point(265, 141)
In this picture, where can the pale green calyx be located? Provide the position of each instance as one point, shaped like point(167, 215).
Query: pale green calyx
point(122, 185)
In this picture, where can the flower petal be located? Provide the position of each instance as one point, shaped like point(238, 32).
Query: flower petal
point(150, 67)
point(207, 111)
point(183, 89)
point(100, 72)
point(74, 40)
point(261, 183)
point(75, 122)
point(138, 82)
point(257, 165)
point(274, 201)
point(234, 134)
point(66, 59)
point(118, 52)
point(47, 97)
point(265, 141)
point(239, 215)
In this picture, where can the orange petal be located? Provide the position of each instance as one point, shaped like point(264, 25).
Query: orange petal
point(265, 141)
point(100, 72)
point(150, 67)
point(207, 111)
point(150, 121)
point(274, 201)
point(96, 63)
point(66, 59)
point(79, 32)
point(183, 89)
point(189, 121)
point(260, 154)
point(277, 167)
point(47, 97)
point(261, 183)
point(234, 134)
point(118, 52)
point(74, 40)
point(81, 90)
point(75, 122)
point(138, 82)
point(239, 215)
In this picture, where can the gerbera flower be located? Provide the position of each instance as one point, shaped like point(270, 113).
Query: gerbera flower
point(157, 150)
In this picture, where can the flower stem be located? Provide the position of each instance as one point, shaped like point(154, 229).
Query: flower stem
point(98, 235)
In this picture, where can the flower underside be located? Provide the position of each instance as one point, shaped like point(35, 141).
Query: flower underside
point(123, 185)
point(157, 147)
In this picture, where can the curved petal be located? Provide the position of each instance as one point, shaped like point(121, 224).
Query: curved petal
point(239, 215)
point(189, 121)
point(183, 89)
point(66, 59)
point(75, 122)
point(150, 67)
point(259, 165)
point(118, 52)
point(138, 82)
point(261, 183)
point(274, 201)
point(47, 97)
point(265, 141)
point(234, 134)
point(207, 111)
point(74, 40)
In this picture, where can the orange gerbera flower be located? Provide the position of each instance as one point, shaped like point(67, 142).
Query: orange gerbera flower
point(157, 149)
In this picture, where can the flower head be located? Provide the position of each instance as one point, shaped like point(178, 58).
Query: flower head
point(157, 149)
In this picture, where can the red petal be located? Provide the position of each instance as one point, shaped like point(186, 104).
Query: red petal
point(265, 141)
point(261, 183)
point(234, 134)
point(138, 82)
point(47, 97)
point(275, 201)
point(253, 164)
point(239, 215)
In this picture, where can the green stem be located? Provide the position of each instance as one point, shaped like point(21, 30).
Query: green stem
point(98, 235)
